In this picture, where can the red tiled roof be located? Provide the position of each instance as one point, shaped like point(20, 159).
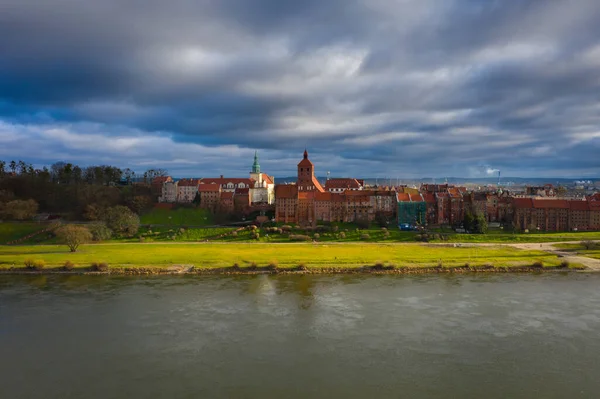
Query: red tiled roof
point(342, 183)
point(523, 202)
point(204, 188)
point(454, 192)
point(267, 178)
point(188, 182)
point(416, 198)
point(550, 204)
point(286, 191)
point(403, 197)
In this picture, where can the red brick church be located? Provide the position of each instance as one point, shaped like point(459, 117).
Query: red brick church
point(307, 202)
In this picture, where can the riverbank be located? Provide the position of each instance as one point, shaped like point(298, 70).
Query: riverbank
point(299, 270)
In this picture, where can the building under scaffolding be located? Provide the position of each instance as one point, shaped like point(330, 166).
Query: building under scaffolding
point(412, 210)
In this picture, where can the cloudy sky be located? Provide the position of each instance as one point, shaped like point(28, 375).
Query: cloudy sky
point(372, 88)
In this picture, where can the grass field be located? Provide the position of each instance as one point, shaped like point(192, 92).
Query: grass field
point(581, 250)
point(178, 217)
point(285, 255)
point(13, 231)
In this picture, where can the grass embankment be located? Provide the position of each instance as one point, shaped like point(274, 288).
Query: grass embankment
point(10, 231)
point(178, 217)
point(284, 256)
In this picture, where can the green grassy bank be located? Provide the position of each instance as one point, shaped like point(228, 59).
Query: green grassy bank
point(212, 255)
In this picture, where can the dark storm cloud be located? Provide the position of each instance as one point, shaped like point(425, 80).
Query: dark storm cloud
point(410, 87)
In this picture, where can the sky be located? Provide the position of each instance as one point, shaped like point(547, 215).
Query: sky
point(373, 88)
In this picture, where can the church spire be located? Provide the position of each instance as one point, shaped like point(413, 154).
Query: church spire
point(255, 165)
point(305, 154)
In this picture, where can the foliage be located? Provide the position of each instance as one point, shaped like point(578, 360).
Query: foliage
point(299, 237)
point(73, 236)
point(100, 232)
point(589, 244)
point(365, 237)
point(122, 220)
point(34, 264)
point(178, 217)
point(20, 210)
point(69, 265)
point(139, 203)
point(362, 222)
point(99, 266)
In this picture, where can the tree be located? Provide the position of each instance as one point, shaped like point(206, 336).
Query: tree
point(20, 210)
point(73, 236)
point(139, 203)
point(481, 224)
point(100, 232)
point(122, 220)
point(2, 168)
point(13, 166)
point(197, 199)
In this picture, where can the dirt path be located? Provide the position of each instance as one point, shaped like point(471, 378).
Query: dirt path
point(590, 263)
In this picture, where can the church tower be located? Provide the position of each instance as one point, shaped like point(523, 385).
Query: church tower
point(306, 176)
point(255, 174)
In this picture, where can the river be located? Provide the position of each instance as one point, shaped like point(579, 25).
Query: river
point(437, 336)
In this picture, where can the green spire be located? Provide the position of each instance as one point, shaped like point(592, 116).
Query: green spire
point(255, 165)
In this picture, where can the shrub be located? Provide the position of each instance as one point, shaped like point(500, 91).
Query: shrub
point(564, 264)
point(538, 264)
point(73, 236)
point(68, 265)
point(20, 210)
point(286, 227)
point(235, 266)
point(335, 229)
point(100, 232)
point(255, 235)
point(365, 237)
point(34, 264)
point(122, 220)
point(342, 235)
point(272, 265)
point(299, 237)
point(99, 267)
point(234, 234)
point(316, 236)
point(253, 266)
point(142, 239)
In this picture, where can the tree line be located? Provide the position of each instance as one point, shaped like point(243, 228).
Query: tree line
point(71, 190)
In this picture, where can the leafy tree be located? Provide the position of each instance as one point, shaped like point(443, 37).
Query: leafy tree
point(481, 224)
point(122, 220)
point(73, 236)
point(20, 210)
point(100, 232)
point(139, 203)
point(197, 199)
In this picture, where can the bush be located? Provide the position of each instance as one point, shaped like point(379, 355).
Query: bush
point(234, 234)
point(565, 264)
point(69, 265)
point(100, 232)
point(142, 239)
point(365, 237)
point(73, 236)
point(122, 220)
point(335, 229)
point(299, 237)
point(538, 264)
point(34, 264)
point(255, 235)
point(342, 235)
point(272, 265)
point(302, 267)
point(99, 267)
point(286, 227)
point(316, 236)
point(253, 266)
point(20, 210)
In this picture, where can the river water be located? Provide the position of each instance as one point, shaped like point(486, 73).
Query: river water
point(469, 336)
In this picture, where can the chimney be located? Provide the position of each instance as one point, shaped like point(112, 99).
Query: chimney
point(221, 176)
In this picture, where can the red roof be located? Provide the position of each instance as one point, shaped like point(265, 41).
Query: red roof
point(188, 182)
point(523, 202)
point(325, 196)
point(342, 183)
point(205, 188)
point(305, 161)
point(267, 178)
point(416, 198)
point(454, 192)
point(286, 191)
point(403, 197)
point(550, 204)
